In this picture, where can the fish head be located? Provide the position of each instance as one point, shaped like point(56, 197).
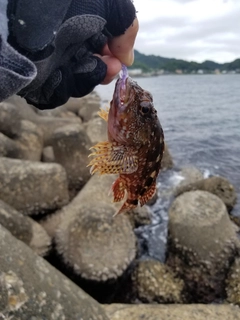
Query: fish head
point(132, 116)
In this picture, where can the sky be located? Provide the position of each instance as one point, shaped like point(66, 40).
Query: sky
point(193, 30)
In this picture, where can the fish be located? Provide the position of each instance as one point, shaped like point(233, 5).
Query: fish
point(135, 145)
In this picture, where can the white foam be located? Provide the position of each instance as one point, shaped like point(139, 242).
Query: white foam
point(176, 178)
point(206, 173)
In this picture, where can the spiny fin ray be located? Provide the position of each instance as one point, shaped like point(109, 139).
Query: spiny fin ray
point(112, 158)
point(104, 113)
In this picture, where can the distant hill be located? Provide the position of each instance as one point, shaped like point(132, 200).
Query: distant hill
point(149, 63)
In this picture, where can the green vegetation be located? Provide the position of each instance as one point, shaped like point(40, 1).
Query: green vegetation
point(152, 63)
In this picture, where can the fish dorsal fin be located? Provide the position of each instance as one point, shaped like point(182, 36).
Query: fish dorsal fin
point(103, 113)
point(113, 158)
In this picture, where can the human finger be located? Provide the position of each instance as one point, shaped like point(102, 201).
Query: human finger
point(113, 68)
point(122, 46)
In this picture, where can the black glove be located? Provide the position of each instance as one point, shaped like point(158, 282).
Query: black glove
point(60, 37)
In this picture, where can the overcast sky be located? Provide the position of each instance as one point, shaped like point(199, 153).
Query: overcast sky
point(189, 29)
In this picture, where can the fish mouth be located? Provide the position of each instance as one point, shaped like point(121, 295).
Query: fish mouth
point(123, 91)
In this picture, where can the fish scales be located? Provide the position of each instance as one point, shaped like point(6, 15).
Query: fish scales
point(135, 145)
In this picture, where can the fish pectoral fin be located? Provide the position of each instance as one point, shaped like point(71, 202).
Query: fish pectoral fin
point(118, 189)
point(104, 113)
point(129, 162)
point(125, 158)
point(112, 158)
point(102, 159)
point(147, 194)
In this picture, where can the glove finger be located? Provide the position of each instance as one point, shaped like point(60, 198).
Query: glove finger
point(63, 83)
point(88, 75)
point(119, 14)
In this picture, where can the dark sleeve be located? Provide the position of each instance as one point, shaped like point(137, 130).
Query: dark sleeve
point(16, 71)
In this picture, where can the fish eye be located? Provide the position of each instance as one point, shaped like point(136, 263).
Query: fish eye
point(144, 107)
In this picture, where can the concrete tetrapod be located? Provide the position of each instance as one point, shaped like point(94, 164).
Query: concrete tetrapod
point(202, 244)
point(97, 245)
point(33, 187)
point(172, 312)
point(30, 288)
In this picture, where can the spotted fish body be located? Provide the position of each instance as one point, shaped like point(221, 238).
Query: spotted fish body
point(135, 144)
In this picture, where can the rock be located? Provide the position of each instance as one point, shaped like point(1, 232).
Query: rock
point(32, 187)
point(24, 110)
point(96, 130)
point(51, 223)
point(139, 216)
point(31, 289)
point(68, 114)
point(28, 145)
point(8, 147)
point(97, 245)
point(45, 122)
point(202, 242)
point(10, 123)
point(156, 282)
point(30, 141)
point(167, 162)
point(87, 110)
point(235, 219)
point(71, 150)
point(73, 105)
point(172, 312)
point(24, 229)
point(48, 125)
point(190, 175)
point(233, 283)
point(59, 112)
point(48, 154)
point(219, 186)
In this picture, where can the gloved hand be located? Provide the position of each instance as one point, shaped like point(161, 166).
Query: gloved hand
point(65, 40)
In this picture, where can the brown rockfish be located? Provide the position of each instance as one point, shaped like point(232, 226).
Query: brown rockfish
point(135, 144)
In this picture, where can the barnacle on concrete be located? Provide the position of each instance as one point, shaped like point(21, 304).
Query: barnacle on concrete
point(233, 283)
point(156, 282)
